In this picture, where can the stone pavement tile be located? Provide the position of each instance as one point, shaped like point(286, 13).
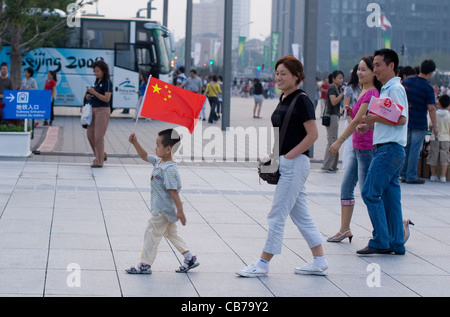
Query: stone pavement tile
point(228, 284)
point(426, 286)
point(23, 259)
point(86, 259)
point(60, 283)
point(293, 285)
point(77, 241)
point(23, 240)
point(158, 284)
point(356, 285)
point(22, 282)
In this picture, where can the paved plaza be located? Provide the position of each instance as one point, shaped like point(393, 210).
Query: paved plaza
point(69, 230)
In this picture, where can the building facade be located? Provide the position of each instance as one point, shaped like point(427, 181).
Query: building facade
point(420, 26)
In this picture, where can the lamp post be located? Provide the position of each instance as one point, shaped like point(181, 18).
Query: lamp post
point(227, 63)
point(311, 16)
point(188, 41)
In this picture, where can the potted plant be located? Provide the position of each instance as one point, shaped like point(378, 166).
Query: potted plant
point(15, 141)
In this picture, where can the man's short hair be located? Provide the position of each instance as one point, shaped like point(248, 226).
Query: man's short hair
point(389, 56)
point(428, 66)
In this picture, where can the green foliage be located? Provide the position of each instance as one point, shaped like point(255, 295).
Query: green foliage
point(12, 127)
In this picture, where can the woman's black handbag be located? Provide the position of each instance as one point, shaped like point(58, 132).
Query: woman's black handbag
point(266, 167)
point(326, 121)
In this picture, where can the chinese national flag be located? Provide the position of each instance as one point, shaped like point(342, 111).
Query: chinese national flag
point(171, 104)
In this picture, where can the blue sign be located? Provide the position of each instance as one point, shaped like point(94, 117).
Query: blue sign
point(27, 104)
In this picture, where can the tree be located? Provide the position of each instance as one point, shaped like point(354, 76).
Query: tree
point(26, 24)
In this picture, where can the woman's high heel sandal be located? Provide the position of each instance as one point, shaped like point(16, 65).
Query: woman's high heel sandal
point(406, 234)
point(341, 236)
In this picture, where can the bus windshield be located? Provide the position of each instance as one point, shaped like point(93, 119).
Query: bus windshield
point(164, 45)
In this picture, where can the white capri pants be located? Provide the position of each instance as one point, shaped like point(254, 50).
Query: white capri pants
point(290, 199)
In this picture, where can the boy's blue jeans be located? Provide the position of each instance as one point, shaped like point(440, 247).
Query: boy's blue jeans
point(382, 196)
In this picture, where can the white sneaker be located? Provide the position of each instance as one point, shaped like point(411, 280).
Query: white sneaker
point(434, 179)
point(443, 179)
point(252, 271)
point(310, 269)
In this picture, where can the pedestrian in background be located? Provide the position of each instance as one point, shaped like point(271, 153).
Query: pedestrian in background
point(258, 97)
point(422, 101)
point(332, 109)
point(100, 98)
point(50, 84)
point(440, 145)
point(212, 90)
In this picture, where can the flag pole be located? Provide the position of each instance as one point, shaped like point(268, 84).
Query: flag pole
point(139, 112)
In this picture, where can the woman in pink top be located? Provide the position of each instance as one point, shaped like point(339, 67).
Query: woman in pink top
point(361, 156)
point(50, 84)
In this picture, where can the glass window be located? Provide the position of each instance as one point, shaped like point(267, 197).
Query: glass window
point(164, 51)
point(104, 34)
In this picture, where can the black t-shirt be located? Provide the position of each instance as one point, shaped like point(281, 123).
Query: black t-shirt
point(102, 87)
point(258, 89)
point(296, 132)
point(330, 109)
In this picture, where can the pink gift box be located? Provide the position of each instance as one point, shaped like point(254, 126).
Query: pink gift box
point(385, 108)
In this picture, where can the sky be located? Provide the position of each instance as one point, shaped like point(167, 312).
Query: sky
point(260, 14)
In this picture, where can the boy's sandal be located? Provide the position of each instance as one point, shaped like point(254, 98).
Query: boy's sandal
point(139, 269)
point(188, 265)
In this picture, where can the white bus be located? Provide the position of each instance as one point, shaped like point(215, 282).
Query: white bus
point(128, 46)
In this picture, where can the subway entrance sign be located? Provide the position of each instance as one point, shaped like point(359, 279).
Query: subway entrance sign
point(27, 104)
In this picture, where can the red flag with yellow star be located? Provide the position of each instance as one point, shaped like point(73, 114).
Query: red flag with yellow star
point(172, 104)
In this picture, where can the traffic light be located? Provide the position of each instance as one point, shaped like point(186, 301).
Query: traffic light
point(402, 49)
point(211, 62)
point(259, 67)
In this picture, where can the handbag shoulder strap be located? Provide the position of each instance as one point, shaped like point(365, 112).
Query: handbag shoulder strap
point(287, 118)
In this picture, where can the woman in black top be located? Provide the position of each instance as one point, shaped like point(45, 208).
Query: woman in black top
point(290, 194)
point(100, 96)
point(258, 90)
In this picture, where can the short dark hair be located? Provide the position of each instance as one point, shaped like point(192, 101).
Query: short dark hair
point(428, 66)
point(444, 101)
point(170, 137)
point(3, 64)
point(389, 56)
point(294, 66)
point(407, 71)
point(30, 71)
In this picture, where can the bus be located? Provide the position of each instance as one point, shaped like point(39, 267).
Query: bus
point(128, 46)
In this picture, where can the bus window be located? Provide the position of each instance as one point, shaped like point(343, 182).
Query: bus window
point(101, 34)
point(125, 56)
point(164, 54)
